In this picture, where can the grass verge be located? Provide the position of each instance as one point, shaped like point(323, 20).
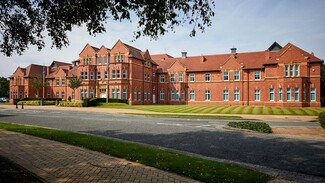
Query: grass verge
point(10, 172)
point(196, 168)
point(212, 109)
point(250, 125)
point(187, 116)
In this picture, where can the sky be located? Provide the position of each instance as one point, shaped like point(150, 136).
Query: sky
point(248, 25)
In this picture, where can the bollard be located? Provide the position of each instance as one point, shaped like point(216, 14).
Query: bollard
point(22, 105)
point(16, 105)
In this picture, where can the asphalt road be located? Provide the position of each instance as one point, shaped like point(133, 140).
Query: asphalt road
point(204, 137)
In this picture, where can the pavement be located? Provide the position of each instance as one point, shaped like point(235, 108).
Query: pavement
point(57, 162)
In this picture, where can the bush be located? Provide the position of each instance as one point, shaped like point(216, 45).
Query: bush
point(112, 100)
point(30, 102)
point(71, 104)
point(321, 118)
point(250, 125)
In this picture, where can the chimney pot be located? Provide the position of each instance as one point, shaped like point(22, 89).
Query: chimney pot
point(233, 50)
point(184, 55)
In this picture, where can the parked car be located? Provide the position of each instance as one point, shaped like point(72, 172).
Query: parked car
point(4, 99)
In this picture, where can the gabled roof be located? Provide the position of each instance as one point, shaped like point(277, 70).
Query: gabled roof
point(308, 57)
point(34, 70)
point(275, 47)
point(134, 52)
point(59, 63)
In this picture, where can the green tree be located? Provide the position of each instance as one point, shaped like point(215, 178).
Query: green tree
point(4, 87)
point(37, 84)
point(23, 22)
point(74, 83)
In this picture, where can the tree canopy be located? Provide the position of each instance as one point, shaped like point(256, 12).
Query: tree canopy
point(24, 22)
point(37, 84)
point(75, 82)
point(4, 87)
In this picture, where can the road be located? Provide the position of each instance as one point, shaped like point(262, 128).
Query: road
point(205, 137)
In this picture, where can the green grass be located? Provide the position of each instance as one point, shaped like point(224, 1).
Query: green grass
point(250, 125)
point(187, 116)
point(10, 172)
point(211, 109)
point(196, 168)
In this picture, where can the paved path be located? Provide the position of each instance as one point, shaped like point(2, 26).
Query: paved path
point(58, 162)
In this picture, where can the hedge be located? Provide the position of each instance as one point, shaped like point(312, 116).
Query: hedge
point(71, 104)
point(36, 102)
point(252, 125)
point(321, 118)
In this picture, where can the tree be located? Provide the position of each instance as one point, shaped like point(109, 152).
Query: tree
point(23, 22)
point(4, 87)
point(74, 83)
point(37, 84)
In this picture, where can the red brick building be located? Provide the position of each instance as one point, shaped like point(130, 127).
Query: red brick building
point(278, 76)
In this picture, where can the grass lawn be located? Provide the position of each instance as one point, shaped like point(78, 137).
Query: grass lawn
point(9, 172)
point(210, 109)
point(187, 116)
point(196, 168)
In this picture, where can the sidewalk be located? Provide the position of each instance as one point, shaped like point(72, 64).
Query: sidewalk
point(57, 162)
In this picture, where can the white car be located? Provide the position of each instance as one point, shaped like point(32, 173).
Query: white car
point(4, 99)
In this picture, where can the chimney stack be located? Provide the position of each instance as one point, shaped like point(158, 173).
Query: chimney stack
point(233, 50)
point(184, 55)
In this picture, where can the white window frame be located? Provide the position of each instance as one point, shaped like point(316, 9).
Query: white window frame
point(192, 95)
point(226, 76)
point(236, 75)
point(257, 95)
point(288, 94)
point(207, 77)
point(162, 78)
point(192, 77)
point(296, 94)
point(92, 75)
point(162, 95)
point(172, 77)
point(180, 77)
point(98, 75)
point(280, 94)
point(225, 95)
point(312, 94)
point(124, 94)
point(257, 75)
point(236, 95)
point(207, 95)
point(124, 74)
point(271, 94)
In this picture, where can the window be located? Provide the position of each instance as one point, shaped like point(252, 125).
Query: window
point(113, 93)
point(105, 60)
point(176, 95)
point(304, 94)
point(172, 95)
point(73, 95)
point(271, 94)
point(296, 94)
point(92, 93)
point(162, 95)
point(135, 95)
point(145, 77)
point(162, 78)
point(225, 95)
point(172, 78)
point(106, 75)
point(82, 75)
point(225, 75)
point(148, 77)
point(113, 74)
point(48, 83)
point(257, 75)
point(85, 75)
point(296, 70)
point(149, 96)
point(207, 77)
point(207, 95)
point(280, 94)
point(236, 95)
point(90, 60)
point(48, 94)
point(192, 77)
point(118, 74)
point(145, 95)
point(99, 60)
point(98, 75)
point(62, 82)
point(257, 96)
point(291, 70)
point(124, 97)
point(57, 94)
point(183, 95)
point(118, 93)
point(62, 95)
point(124, 74)
point(312, 94)
point(236, 75)
point(57, 82)
point(180, 77)
point(139, 95)
point(92, 76)
point(192, 95)
point(286, 71)
point(288, 94)
point(85, 61)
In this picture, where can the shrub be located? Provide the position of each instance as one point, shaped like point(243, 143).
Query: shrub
point(250, 125)
point(112, 100)
point(70, 104)
point(30, 102)
point(321, 118)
